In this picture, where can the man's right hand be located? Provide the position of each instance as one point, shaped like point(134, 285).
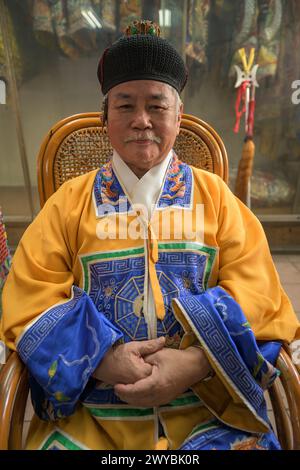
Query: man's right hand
point(125, 364)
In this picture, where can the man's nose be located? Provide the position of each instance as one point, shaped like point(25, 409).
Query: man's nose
point(141, 120)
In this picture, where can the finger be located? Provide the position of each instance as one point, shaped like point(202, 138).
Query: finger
point(151, 346)
point(152, 358)
point(134, 391)
point(142, 371)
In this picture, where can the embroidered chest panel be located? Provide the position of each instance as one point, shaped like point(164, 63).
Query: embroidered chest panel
point(115, 282)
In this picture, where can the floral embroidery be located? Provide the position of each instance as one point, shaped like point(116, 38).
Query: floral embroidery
point(178, 185)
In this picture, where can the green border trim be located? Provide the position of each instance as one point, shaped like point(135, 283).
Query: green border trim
point(192, 246)
point(121, 412)
point(204, 427)
point(63, 440)
point(85, 260)
point(183, 401)
point(179, 246)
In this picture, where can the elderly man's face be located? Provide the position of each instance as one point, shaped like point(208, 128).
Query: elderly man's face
point(143, 122)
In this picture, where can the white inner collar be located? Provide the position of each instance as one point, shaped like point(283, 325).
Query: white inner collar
point(146, 189)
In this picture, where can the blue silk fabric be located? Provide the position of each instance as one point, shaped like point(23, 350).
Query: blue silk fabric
point(218, 436)
point(61, 350)
point(224, 331)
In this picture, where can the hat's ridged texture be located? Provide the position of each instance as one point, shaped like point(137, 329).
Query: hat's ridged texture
point(141, 57)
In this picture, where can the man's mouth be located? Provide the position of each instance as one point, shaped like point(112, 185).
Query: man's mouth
point(143, 140)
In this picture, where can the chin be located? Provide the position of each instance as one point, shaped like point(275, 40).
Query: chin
point(144, 157)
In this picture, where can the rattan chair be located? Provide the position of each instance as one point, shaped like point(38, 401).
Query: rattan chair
point(79, 144)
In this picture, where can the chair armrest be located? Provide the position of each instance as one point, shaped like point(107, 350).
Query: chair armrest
point(290, 380)
point(14, 389)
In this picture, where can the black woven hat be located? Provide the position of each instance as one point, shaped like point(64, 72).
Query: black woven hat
point(141, 55)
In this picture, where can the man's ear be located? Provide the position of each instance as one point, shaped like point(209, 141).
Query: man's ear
point(179, 117)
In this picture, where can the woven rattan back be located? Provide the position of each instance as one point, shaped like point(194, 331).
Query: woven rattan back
point(79, 144)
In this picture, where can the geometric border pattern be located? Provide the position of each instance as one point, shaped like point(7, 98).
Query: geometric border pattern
point(192, 249)
point(32, 337)
point(211, 332)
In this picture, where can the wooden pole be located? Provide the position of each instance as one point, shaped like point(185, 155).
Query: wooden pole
point(242, 185)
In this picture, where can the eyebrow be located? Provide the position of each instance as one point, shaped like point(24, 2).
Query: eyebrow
point(157, 97)
point(122, 95)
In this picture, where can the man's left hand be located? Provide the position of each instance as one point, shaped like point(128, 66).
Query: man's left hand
point(173, 372)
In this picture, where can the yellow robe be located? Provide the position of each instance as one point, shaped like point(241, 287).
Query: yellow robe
point(63, 244)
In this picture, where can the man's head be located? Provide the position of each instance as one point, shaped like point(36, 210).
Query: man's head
point(141, 76)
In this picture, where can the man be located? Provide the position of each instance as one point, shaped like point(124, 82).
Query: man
point(131, 322)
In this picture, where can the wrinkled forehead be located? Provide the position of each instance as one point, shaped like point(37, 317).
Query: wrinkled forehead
point(145, 89)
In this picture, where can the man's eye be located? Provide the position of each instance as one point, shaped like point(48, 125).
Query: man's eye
point(125, 106)
point(157, 108)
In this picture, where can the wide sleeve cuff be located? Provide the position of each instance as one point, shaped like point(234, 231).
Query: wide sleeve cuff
point(235, 393)
point(61, 349)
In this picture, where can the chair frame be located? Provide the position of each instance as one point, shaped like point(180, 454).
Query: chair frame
point(14, 390)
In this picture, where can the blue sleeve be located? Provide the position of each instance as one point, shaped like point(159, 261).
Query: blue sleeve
point(61, 349)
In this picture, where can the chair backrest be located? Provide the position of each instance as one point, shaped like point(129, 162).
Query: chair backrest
point(79, 144)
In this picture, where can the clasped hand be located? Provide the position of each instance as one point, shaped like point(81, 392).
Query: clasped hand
point(145, 373)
